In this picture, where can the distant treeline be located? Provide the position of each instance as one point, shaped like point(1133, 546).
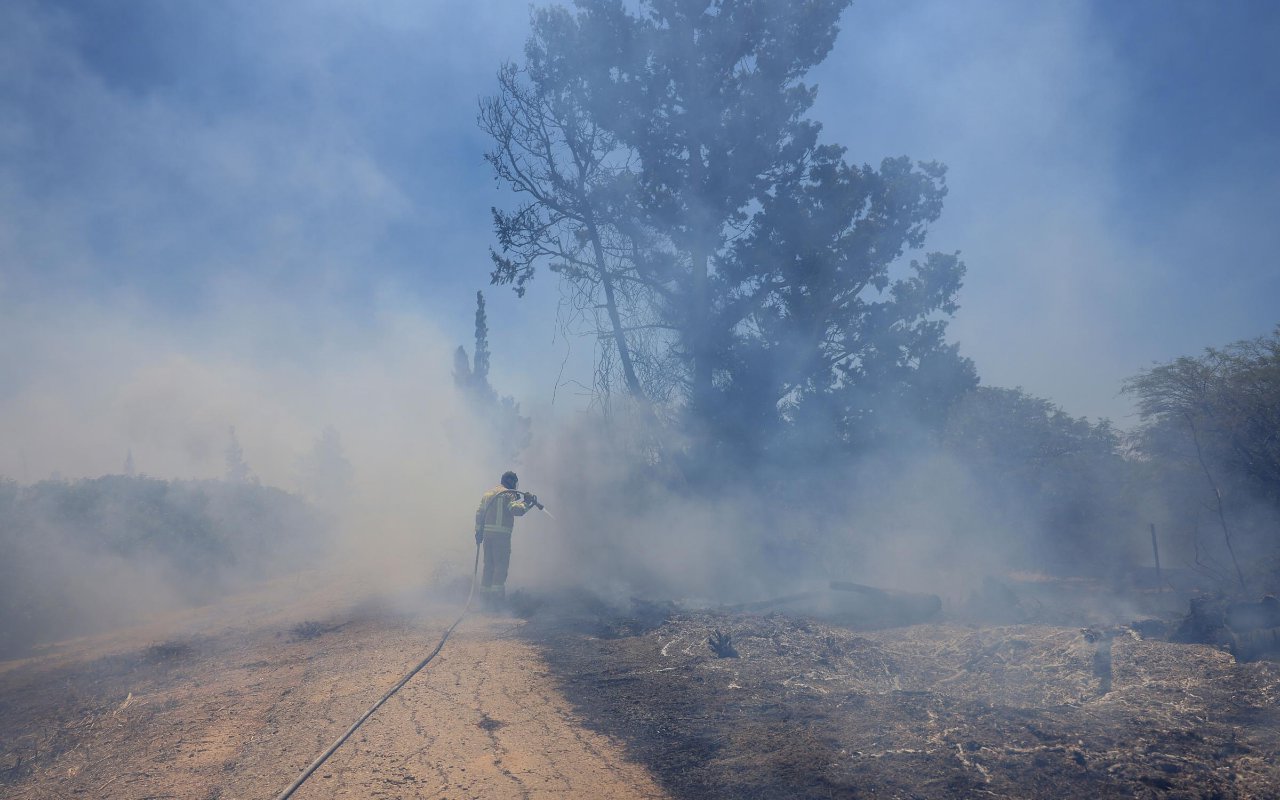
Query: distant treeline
point(994, 478)
point(1210, 439)
point(76, 555)
point(1202, 467)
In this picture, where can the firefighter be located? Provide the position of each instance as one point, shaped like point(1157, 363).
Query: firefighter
point(494, 520)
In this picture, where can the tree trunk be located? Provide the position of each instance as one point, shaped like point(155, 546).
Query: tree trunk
point(699, 349)
point(1217, 494)
point(615, 321)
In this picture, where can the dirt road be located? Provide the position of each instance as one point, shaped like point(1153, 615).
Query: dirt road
point(237, 711)
point(807, 709)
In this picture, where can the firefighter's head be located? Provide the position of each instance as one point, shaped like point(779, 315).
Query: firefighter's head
point(509, 480)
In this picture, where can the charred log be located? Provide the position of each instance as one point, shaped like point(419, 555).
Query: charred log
point(904, 607)
point(1249, 631)
point(1252, 616)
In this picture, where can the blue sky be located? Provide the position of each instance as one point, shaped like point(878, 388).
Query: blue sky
point(263, 179)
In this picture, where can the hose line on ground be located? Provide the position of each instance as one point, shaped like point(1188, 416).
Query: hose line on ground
point(306, 773)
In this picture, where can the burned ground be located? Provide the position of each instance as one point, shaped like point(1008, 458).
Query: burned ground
point(586, 700)
point(924, 711)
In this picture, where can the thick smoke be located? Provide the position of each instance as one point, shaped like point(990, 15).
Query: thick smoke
point(99, 388)
point(247, 216)
point(627, 525)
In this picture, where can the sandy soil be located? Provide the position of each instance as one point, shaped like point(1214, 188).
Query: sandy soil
point(237, 710)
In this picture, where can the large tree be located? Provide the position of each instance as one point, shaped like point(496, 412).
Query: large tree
point(709, 95)
point(818, 328)
point(666, 150)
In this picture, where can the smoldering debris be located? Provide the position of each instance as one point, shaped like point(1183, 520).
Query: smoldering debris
point(721, 643)
point(590, 613)
point(909, 607)
point(172, 650)
point(524, 604)
point(1250, 631)
point(1098, 689)
point(936, 710)
point(1101, 641)
point(1251, 616)
point(849, 603)
point(311, 629)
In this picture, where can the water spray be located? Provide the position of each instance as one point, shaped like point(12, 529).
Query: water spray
point(531, 497)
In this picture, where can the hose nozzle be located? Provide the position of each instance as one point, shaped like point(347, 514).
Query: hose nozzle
point(530, 497)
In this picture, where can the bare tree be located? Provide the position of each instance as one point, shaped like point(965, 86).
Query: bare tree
point(575, 180)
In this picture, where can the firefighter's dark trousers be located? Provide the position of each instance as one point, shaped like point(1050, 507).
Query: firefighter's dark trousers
point(497, 557)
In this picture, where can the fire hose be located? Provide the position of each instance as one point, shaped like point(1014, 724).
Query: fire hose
point(323, 757)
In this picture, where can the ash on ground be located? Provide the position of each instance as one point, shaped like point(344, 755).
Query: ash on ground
point(932, 710)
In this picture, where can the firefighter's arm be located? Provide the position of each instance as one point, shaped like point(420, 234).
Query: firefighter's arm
point(521, 506)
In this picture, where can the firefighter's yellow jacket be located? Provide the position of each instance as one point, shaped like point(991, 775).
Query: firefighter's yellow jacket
point(498, 509)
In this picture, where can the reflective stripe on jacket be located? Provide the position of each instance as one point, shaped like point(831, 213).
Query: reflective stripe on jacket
point(498, 509)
